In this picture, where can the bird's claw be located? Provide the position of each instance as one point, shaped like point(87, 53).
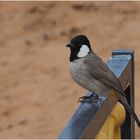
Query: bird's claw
point(90, 98)
point(82, 99)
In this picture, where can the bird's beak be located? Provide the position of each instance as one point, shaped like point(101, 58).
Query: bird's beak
point(70, 45)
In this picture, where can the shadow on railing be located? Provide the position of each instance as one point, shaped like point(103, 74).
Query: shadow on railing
point(88, 120)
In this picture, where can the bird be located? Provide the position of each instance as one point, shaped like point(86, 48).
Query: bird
point(93, 74)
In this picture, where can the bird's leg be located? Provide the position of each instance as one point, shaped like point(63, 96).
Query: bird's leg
point(89, 98)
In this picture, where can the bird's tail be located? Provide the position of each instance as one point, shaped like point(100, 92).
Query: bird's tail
point(130, 110)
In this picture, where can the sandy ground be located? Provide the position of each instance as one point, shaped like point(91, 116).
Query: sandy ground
point(37, 94)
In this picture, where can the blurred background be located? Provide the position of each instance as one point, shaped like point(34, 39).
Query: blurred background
point(37, 94)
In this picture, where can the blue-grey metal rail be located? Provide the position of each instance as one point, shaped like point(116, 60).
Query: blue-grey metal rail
point(89, 117)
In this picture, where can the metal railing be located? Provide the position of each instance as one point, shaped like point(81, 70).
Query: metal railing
point(89, 118)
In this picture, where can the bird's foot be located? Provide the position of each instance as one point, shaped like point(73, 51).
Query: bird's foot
point(91, 98)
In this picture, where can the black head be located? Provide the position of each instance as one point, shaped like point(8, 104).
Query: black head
point(78, 44)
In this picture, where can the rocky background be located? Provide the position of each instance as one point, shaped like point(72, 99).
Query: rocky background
point(37, 94)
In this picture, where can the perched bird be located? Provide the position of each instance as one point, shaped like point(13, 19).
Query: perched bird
point(91, 73)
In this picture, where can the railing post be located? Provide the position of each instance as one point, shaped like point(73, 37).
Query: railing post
point(128, 128)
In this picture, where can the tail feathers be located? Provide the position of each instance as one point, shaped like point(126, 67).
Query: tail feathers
point(130, 110)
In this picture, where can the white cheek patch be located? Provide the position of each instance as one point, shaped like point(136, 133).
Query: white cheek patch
point(84, 50)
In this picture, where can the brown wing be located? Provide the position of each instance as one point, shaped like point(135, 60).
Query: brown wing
point(100, 71)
